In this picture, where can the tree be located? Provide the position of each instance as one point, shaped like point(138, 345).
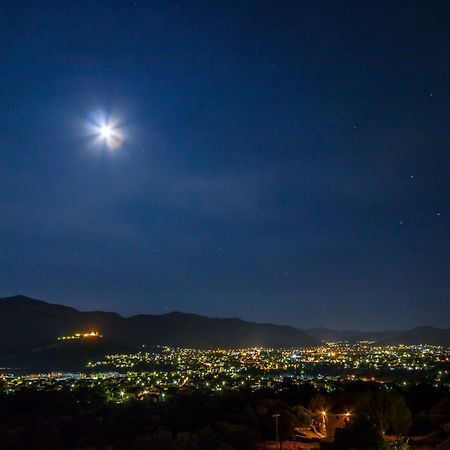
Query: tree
point(400, 444)
point(359, 433)
point(303, 416)
point(318, 403)
point(440, 412)
point(237, 436)
point(286, 425)
point(392, 413)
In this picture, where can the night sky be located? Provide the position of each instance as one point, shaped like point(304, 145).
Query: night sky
point(281, 161)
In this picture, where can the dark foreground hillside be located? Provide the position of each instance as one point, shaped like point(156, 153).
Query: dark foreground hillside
point(79, 415)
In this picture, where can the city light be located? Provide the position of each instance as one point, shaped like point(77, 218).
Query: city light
point(153, 373)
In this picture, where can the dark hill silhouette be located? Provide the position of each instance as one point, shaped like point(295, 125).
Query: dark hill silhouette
point(328, 334)
point(29, 330)
point(70, 355)
point(419, 335)
point(27, 324)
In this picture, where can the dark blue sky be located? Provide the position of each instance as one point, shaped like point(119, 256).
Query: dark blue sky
point(283, 161)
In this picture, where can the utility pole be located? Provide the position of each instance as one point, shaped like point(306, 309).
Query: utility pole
point(276, 416)
point(100, 437)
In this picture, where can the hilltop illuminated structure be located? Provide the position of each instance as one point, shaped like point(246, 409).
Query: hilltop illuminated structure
point(89, 335)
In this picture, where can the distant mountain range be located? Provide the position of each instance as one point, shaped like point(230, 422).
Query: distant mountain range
point(29, 331)
point(418, 335)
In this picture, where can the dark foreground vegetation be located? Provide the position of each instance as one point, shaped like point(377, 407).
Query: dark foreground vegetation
point(382, 417)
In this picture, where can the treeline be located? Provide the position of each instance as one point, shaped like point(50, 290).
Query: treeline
point(67, 418)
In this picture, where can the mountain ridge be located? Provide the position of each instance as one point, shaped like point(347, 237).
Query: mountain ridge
point(27, 324)
point(422, 334)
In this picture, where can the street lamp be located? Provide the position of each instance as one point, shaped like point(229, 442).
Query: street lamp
point(324, 421)
point(276, 417)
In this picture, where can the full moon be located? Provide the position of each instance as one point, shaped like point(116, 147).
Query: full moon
point(106, 132)
point(110, 135)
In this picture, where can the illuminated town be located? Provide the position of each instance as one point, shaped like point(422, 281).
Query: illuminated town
point(154, 372)
point(163, 376)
